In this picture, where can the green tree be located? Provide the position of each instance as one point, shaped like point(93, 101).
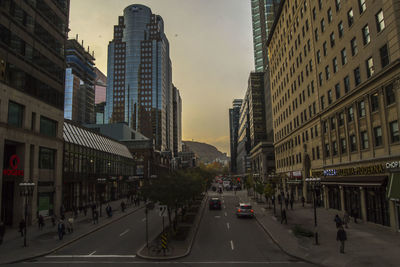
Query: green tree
point(268, 193)
point(259, 188)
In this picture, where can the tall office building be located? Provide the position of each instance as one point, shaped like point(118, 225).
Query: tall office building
point(177, 122)
point(243, 163)
point(79, 83)
point(139, 82)
point(32, 69)
point(335, 68)
point(100, 87)
point(263, 16)
point(234, 115)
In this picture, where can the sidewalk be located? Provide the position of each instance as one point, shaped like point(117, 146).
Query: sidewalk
point(45, 241)
point(367, 244)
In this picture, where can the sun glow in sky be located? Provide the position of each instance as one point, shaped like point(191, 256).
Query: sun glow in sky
point(211, 50)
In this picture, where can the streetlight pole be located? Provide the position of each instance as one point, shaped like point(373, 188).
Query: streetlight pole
point(26, 191)
point(315, 182)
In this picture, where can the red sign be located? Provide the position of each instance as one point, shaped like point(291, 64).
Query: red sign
point(14, 162)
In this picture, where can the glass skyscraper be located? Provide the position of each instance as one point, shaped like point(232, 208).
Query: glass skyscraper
point(139, 82)
point(263, 16)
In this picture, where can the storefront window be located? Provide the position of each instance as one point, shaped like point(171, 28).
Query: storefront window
point(377, 205)
point(334, 197)
point(352, 201)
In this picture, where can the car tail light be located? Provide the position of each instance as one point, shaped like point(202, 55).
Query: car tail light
point(252, 211)
point(239, 210)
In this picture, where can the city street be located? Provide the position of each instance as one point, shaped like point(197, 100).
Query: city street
point(222, 239)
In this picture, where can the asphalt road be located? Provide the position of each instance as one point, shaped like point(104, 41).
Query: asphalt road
point(222, 240)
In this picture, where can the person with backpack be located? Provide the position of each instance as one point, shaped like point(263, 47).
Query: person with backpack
point(342, 237)
point(61, 229)
point(338, 221)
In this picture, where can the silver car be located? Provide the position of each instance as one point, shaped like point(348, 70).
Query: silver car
point(244, 210)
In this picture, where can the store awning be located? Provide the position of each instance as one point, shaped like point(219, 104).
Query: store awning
point(355, 180)
point(393, 189)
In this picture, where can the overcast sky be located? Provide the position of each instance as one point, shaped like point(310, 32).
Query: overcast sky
point(211, 50)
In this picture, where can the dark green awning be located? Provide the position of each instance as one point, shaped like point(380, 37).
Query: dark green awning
point(394, 187)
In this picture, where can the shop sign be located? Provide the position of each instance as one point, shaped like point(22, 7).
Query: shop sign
point(331, 172)
point(13, 171)
point(368, 170)
point(392, 165)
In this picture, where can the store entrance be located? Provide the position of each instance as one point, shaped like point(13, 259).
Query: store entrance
point(7, 201)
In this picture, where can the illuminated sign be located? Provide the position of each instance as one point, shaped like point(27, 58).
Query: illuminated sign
point(330, 172)
point(393, 164)
point(13, 171)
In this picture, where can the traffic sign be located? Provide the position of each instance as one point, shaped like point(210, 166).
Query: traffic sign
point(162, 210)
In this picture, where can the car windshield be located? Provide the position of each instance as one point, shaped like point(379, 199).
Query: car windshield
point(247, 207)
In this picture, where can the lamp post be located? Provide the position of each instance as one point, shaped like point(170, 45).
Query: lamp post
point(315, 183)
point(26, 190)
point(101, 194)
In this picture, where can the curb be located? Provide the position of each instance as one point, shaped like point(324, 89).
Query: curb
point(282, 248)
point(200, 216)
point(72, 240)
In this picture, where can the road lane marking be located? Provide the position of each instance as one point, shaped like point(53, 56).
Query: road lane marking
point(124, 232)
point(232, 245)
point(226, 214)
point(92, 253)
point(227, 225)
point(91, 256)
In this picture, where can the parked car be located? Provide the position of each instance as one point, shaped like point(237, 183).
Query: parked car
point(215, 203)
point(244, 210)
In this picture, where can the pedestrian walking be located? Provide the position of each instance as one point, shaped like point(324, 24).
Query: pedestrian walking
point(283, 217)
point(70, 225)
point(303, 200)
point(22, 225)
point(95, 217)
point(346, 219)
point(2, 231)
point(342, 237)
point(61, 229)
point(291, 203)
point(41, 222)
point(338, 221)
point(109, 210)
point(123, 206)
point(287, 203)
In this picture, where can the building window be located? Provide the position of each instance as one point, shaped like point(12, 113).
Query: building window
point(332, 38)
point(48, 127)
point(353, 143)
point(318, 56)
point(346, 81)
point(325, 124)
point(333, 124)
point(327, 73)
point(314, 13)
point(334, 148)
point(325, 48)
point(362, 5)
point(354, 49)
point(350, 114)
point(370, 67)
point(317, 149)
point(15, 114)
point(320, 78)
point(390, 96)
point(378, 136)
point(344, 56)
point(330, 98)
point(350, 17)
point(46, 158)
point(357, 76)
point(337, 4)
point(374, 102)
point(383, 52)
point(316, 35)
point(380, 22)
point(337, 90)
point(322, 102)
point(394, 131)
point(364, 140)
point(329, 13)
point(340, 29)
point(361, 108)
point(366, 35)
point(320, 4)
point(322, 25)
point(343, 147)
point(327, 152)
point(341, 119)
point(335, 65)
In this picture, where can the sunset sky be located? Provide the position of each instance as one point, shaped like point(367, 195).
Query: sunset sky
point(211, 50)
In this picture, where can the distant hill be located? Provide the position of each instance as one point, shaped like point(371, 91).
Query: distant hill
point(207, 153)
